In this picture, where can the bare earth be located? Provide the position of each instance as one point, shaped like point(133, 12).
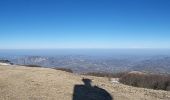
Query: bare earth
point(26, 83)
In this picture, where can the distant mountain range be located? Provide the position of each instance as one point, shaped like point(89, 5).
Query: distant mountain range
point(160, 64)
point(81, 63)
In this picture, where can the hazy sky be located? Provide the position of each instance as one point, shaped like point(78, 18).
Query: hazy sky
point(36, 24)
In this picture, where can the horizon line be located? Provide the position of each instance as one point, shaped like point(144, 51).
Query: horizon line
point(70, 48)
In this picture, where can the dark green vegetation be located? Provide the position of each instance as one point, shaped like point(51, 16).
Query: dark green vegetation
point(105, 74)
point(151, 81)
point(32, 65)
point(4, 61)
point(64, 69)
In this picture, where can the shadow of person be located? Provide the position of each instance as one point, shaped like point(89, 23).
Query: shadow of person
point(89, 92)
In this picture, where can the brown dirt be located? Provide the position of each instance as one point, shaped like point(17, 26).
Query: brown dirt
point(25, 83)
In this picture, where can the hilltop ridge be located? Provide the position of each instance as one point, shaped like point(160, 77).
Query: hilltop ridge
point(25, 83)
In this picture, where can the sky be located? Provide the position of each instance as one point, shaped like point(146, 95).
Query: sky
point(52, 24)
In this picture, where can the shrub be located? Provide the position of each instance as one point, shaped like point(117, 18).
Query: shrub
point(105, 74)
point(64, 69)
point(32, 65)
point(152, 81)
point(5, 61)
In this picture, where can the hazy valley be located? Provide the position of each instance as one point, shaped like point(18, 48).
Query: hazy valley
point(90, 61)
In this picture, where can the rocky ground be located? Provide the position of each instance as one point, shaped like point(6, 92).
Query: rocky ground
point(26, 83)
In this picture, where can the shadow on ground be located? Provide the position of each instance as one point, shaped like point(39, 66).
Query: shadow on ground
point(89, 92)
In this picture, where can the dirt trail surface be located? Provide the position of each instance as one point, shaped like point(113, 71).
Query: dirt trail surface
point(26, 83)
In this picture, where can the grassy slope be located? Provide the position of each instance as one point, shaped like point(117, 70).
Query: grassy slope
point(26, 83)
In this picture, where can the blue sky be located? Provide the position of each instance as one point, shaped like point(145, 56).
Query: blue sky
point(50, 24)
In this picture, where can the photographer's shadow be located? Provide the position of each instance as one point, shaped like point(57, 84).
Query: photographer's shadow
point(89, 92)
